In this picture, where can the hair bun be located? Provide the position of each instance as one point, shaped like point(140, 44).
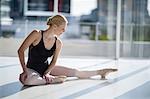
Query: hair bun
point(49, 21)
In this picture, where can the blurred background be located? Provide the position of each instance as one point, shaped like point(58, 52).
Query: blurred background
point(92, 28)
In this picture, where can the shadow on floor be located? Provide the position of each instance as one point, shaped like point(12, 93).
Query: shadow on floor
point(11, 88)
point(15, 87)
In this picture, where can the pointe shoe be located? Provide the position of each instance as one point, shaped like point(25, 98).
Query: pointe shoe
point(105, 72)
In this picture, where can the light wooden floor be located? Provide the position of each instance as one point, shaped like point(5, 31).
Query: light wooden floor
point(132, 81)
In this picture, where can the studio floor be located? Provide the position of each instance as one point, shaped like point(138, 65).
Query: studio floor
point(132, 81)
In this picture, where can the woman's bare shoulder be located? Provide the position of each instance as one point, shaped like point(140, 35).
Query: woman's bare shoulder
point(35, 33)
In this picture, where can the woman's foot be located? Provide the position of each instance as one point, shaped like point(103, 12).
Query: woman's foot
point(105, 72)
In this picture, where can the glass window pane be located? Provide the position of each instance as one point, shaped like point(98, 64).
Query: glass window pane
point(64, 6)
point(40, 5)
point(135, 34)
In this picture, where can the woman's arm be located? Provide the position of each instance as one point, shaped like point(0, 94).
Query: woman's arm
point(55, 56)
point(26, 43)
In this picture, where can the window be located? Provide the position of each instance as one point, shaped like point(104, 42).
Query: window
point(46, 7)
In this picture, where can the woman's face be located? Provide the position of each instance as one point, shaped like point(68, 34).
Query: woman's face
point(60, 29)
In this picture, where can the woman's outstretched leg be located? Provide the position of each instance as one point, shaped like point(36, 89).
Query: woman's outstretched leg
point(69, 72)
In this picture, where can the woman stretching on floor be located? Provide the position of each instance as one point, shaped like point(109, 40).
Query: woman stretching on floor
point(43, 44)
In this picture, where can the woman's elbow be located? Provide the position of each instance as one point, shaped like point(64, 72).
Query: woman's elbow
point(20, 51)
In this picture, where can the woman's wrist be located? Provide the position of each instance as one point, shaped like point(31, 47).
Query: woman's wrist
point(25, 69)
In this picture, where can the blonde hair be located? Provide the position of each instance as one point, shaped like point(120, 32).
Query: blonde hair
point(57, 20)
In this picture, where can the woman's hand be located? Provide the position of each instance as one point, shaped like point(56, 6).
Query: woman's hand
point(48, 78)
point(23, 77)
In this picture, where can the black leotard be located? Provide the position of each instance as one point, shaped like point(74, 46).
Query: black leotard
point(38, 56)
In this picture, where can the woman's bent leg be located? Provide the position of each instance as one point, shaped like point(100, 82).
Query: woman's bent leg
point(33, 78)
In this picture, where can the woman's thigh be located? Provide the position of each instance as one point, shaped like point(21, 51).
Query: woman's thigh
point(61, 70)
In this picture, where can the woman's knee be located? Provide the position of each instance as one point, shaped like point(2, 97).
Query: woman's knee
point(34, 81)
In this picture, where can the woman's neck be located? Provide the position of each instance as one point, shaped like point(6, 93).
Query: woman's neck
point(49, 33)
